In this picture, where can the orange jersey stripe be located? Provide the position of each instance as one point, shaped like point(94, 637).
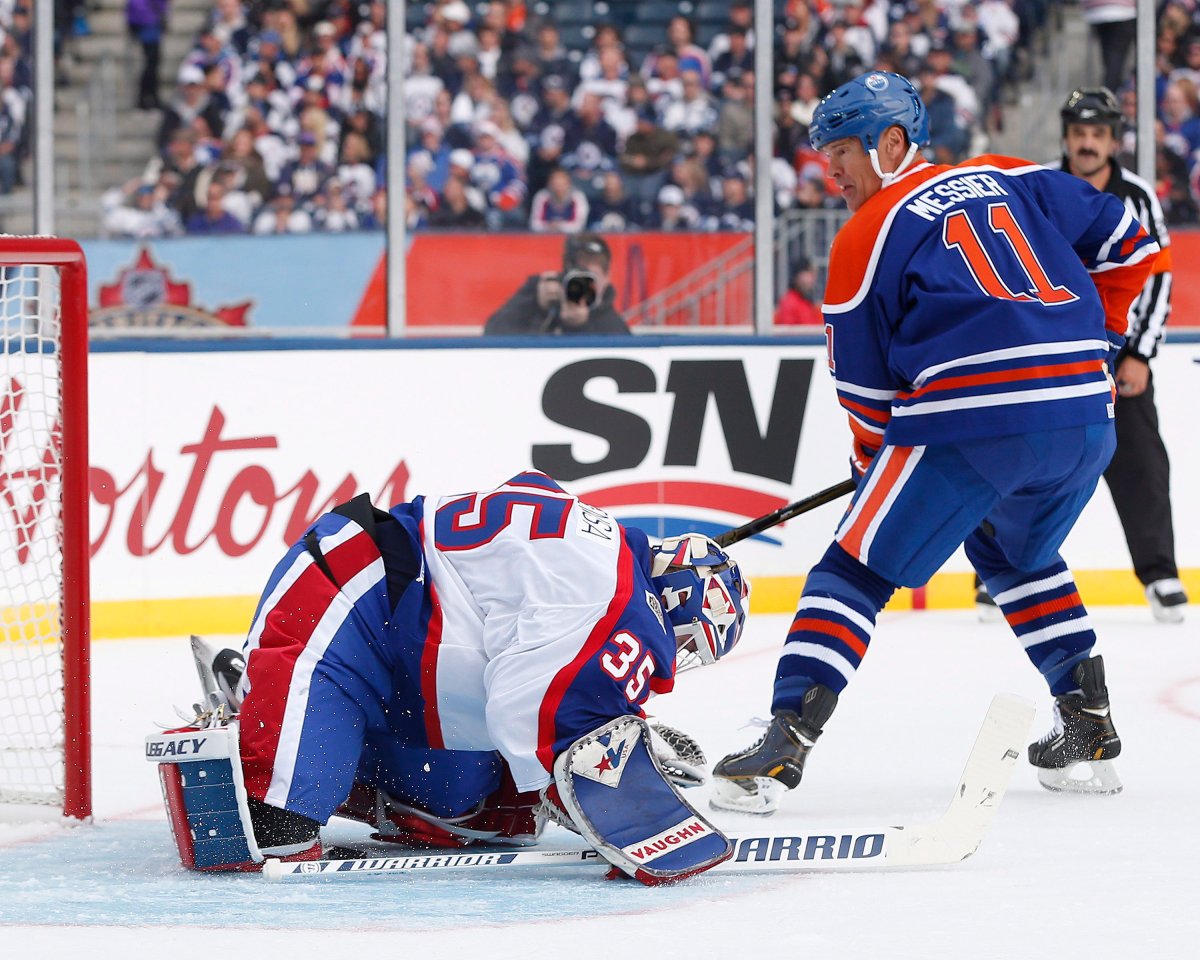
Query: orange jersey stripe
point(1004, 376)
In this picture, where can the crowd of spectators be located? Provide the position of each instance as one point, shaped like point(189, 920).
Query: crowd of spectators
point(16, 83)
point(548, 116)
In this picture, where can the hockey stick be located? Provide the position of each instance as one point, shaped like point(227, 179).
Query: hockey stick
point(785, 513)
point(952, 837)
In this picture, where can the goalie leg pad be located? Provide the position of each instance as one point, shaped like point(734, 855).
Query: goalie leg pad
point(614, 790)
point(207, 807)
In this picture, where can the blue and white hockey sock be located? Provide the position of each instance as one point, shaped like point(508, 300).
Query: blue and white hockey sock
point(834, 622)
point(1046, 614)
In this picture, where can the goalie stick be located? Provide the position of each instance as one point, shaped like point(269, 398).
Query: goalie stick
point(785, 513)
point(952, 837)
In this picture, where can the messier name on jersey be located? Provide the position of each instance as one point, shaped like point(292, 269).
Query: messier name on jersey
point(938, 199)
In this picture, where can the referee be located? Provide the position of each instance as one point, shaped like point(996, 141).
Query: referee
point(1140, 473)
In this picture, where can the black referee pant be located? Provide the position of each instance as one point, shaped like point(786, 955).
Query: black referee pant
point(1139, 478)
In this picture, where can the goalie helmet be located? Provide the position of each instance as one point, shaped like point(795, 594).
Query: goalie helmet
point(865, 107)
point(703, 596)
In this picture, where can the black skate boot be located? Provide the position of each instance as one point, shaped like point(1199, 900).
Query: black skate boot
point(1083, 741)
point(754, 780)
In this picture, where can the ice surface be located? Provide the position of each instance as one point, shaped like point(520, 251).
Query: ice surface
point(1058, 876)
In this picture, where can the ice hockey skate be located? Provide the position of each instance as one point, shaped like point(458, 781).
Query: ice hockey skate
point(1167, 599)
point(756, 779)
point(1076, 755)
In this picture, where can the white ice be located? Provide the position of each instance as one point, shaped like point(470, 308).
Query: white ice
point(1057, 877)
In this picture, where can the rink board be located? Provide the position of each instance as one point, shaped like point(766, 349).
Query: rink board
point(208, 462)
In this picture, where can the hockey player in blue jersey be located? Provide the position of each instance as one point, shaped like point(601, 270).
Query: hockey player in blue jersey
point(970, 317)
point(453, 671)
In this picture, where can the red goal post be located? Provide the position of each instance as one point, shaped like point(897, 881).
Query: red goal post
point(45, 714)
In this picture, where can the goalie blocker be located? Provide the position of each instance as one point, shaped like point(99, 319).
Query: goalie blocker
point(616, 794)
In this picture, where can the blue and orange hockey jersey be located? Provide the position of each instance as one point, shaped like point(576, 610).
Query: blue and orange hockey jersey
point(980, 300)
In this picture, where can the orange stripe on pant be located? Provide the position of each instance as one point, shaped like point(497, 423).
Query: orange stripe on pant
point(882, 483)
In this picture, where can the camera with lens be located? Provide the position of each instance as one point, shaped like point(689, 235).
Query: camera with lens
point(579, 286)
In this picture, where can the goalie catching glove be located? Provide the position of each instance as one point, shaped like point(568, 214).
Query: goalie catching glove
point(610, 788)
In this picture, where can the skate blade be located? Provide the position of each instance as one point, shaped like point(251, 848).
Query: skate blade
point(761, 801)
point(988, 613)
point(1096, 777)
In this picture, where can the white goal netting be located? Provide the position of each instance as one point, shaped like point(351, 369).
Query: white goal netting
point(32, 752)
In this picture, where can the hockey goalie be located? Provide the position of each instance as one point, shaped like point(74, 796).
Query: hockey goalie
point(456, 671)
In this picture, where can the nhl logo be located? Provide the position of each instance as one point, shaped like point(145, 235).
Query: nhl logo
point(877, 82)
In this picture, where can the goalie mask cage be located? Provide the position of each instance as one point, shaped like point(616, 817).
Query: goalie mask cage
point(45, 742)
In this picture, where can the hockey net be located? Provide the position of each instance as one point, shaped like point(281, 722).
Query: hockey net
point(45, 745)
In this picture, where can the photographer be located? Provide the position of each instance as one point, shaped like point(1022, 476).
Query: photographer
point(577, 300)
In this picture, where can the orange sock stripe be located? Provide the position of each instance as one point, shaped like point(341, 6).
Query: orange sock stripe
point(1044, 609)
point(830, 629)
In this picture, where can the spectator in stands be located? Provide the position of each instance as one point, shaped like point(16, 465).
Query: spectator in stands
point(240, 154)
point(454, 210)
point(899, 47)
point(227, 19)
point(735, 117)
point(1181, 127)
point(520, 84)
point(356, 173)
point(214, 218)
point(693, 111)
point(437, 152)
point(845, 60)
point(549, 54)
point(692, 180)
point(1114, 24)
point(611, 87)
point(138, 210)
point(179, 159)
point(663, 79)
point(500, 180)
point(613, 211)
point(648, 153)
point(13, 109)
point(681, 41)
point(968, 62)
point(966, 101)
point(306, 175)
point(462, 163)
point(189, 102)
point(281, 216)
point(453, 17)
point(589, 147)
point(735, 211)
point(672, 213)
point(736, 60)
point(545, 304)
point(332, 210)
point(510, 138)
point(797, 307)
point(741, 18)
point(795, 46)
point(606, 37)
point(948, 136)
point(559, 206)
point(146, 20)
point(421, 88)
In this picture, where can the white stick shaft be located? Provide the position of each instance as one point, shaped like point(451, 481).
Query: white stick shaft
point(953, 837)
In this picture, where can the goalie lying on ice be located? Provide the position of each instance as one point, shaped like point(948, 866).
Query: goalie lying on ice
point(422, 669)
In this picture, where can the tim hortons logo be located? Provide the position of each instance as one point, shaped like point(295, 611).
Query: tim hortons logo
point(25, 485)
point(27, 498)
point(145, 295)
point(253, 488)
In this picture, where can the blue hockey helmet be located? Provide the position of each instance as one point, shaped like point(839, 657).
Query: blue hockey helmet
point(865, 107)
point(704, 597)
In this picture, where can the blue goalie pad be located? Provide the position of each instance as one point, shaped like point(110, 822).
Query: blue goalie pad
point(618, 796)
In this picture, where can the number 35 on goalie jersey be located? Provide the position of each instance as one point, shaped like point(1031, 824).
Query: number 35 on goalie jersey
point(973, 301)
